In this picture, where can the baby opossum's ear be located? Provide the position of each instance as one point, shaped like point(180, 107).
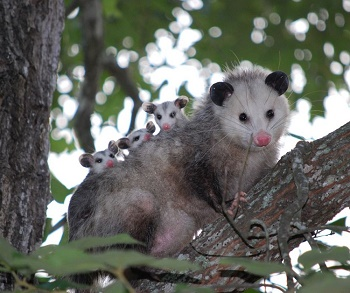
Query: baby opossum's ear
point(149, 107)
point(151, 128)
point(123, 143)
point(113, 147)
point(86, 160)
point(220, 91)
point(278, 80)
point(181, 102)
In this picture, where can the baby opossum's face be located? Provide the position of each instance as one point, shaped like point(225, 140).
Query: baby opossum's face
point(99, 161)
point(138, 137)
point(103, 160)
point(253, 111)
point(166, 115)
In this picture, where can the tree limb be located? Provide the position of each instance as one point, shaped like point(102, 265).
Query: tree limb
point(92, 34)
point(326, 165)
point(126, 83)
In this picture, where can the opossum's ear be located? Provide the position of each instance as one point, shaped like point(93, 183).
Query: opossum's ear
point(278, 80)
point(113, 147)
point(151, 128)
point(86, 160)
point(181, 102)
point(123, 143)
point(149, 107)
point(220, 91)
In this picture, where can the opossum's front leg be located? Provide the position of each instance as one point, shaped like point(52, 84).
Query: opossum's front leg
point(239, 197)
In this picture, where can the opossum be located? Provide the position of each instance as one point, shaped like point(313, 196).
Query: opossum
point(167, 114)
point(173, 185)
point(101, 160)
point(137, 137)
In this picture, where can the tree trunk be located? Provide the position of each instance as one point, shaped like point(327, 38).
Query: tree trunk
point(326, 166)
point(30, 33)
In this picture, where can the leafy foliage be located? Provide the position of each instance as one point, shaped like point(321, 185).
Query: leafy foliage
point(60, 261)
point(311, 278)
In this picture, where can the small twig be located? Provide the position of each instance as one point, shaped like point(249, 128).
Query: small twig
point(260, 223)
point(224, 197)
point(119, 273)
point(227, 216)
point(249, 286)
point(313, 245)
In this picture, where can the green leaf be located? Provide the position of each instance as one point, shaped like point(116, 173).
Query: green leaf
point(110, 9)
point(185, 288)
point(58, 190)
point(7, 252)
point(61, 260)
point(91, 242)
point(325, 283)
point(116, 287)
point(47, 228)
point(313, 257)
point(339, 223)
point(259, 268)
point(124, 259)
point(60, 284)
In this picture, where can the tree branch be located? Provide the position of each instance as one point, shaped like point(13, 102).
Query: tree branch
point(326, 165)
point(92, 32)
point(126, 83)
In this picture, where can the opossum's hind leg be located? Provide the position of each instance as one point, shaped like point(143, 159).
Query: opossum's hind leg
point(176, 231)
point(140, 218)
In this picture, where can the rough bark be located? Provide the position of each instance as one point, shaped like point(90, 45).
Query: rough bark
point(30, 34)
point(326, 165)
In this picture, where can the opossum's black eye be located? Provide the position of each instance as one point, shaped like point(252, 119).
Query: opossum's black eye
point(243, 117)
point(172, 114)
point(99, 160)
point(270, 114)
point(111, 156)
point(159, 116)
point(136, 138)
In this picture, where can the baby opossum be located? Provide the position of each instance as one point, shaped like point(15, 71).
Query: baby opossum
point(100, 160)
point(137, 137)
point(164, 203)
point(167, 114)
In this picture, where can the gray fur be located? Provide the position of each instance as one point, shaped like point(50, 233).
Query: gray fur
point(171, 186)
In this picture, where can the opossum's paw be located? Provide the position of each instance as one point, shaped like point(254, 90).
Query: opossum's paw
point(239, 197)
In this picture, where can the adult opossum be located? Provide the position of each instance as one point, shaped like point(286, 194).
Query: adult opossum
point(171, 186)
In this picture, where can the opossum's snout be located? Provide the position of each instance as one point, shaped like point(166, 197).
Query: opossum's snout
point(147, 137)
point(109, 164)
point(262, 138)
point(166, 126)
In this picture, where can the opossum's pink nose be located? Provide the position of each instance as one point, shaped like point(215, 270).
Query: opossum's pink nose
point(109, 164)
point(166, 126)
point(147, 137)
point(262, 138)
